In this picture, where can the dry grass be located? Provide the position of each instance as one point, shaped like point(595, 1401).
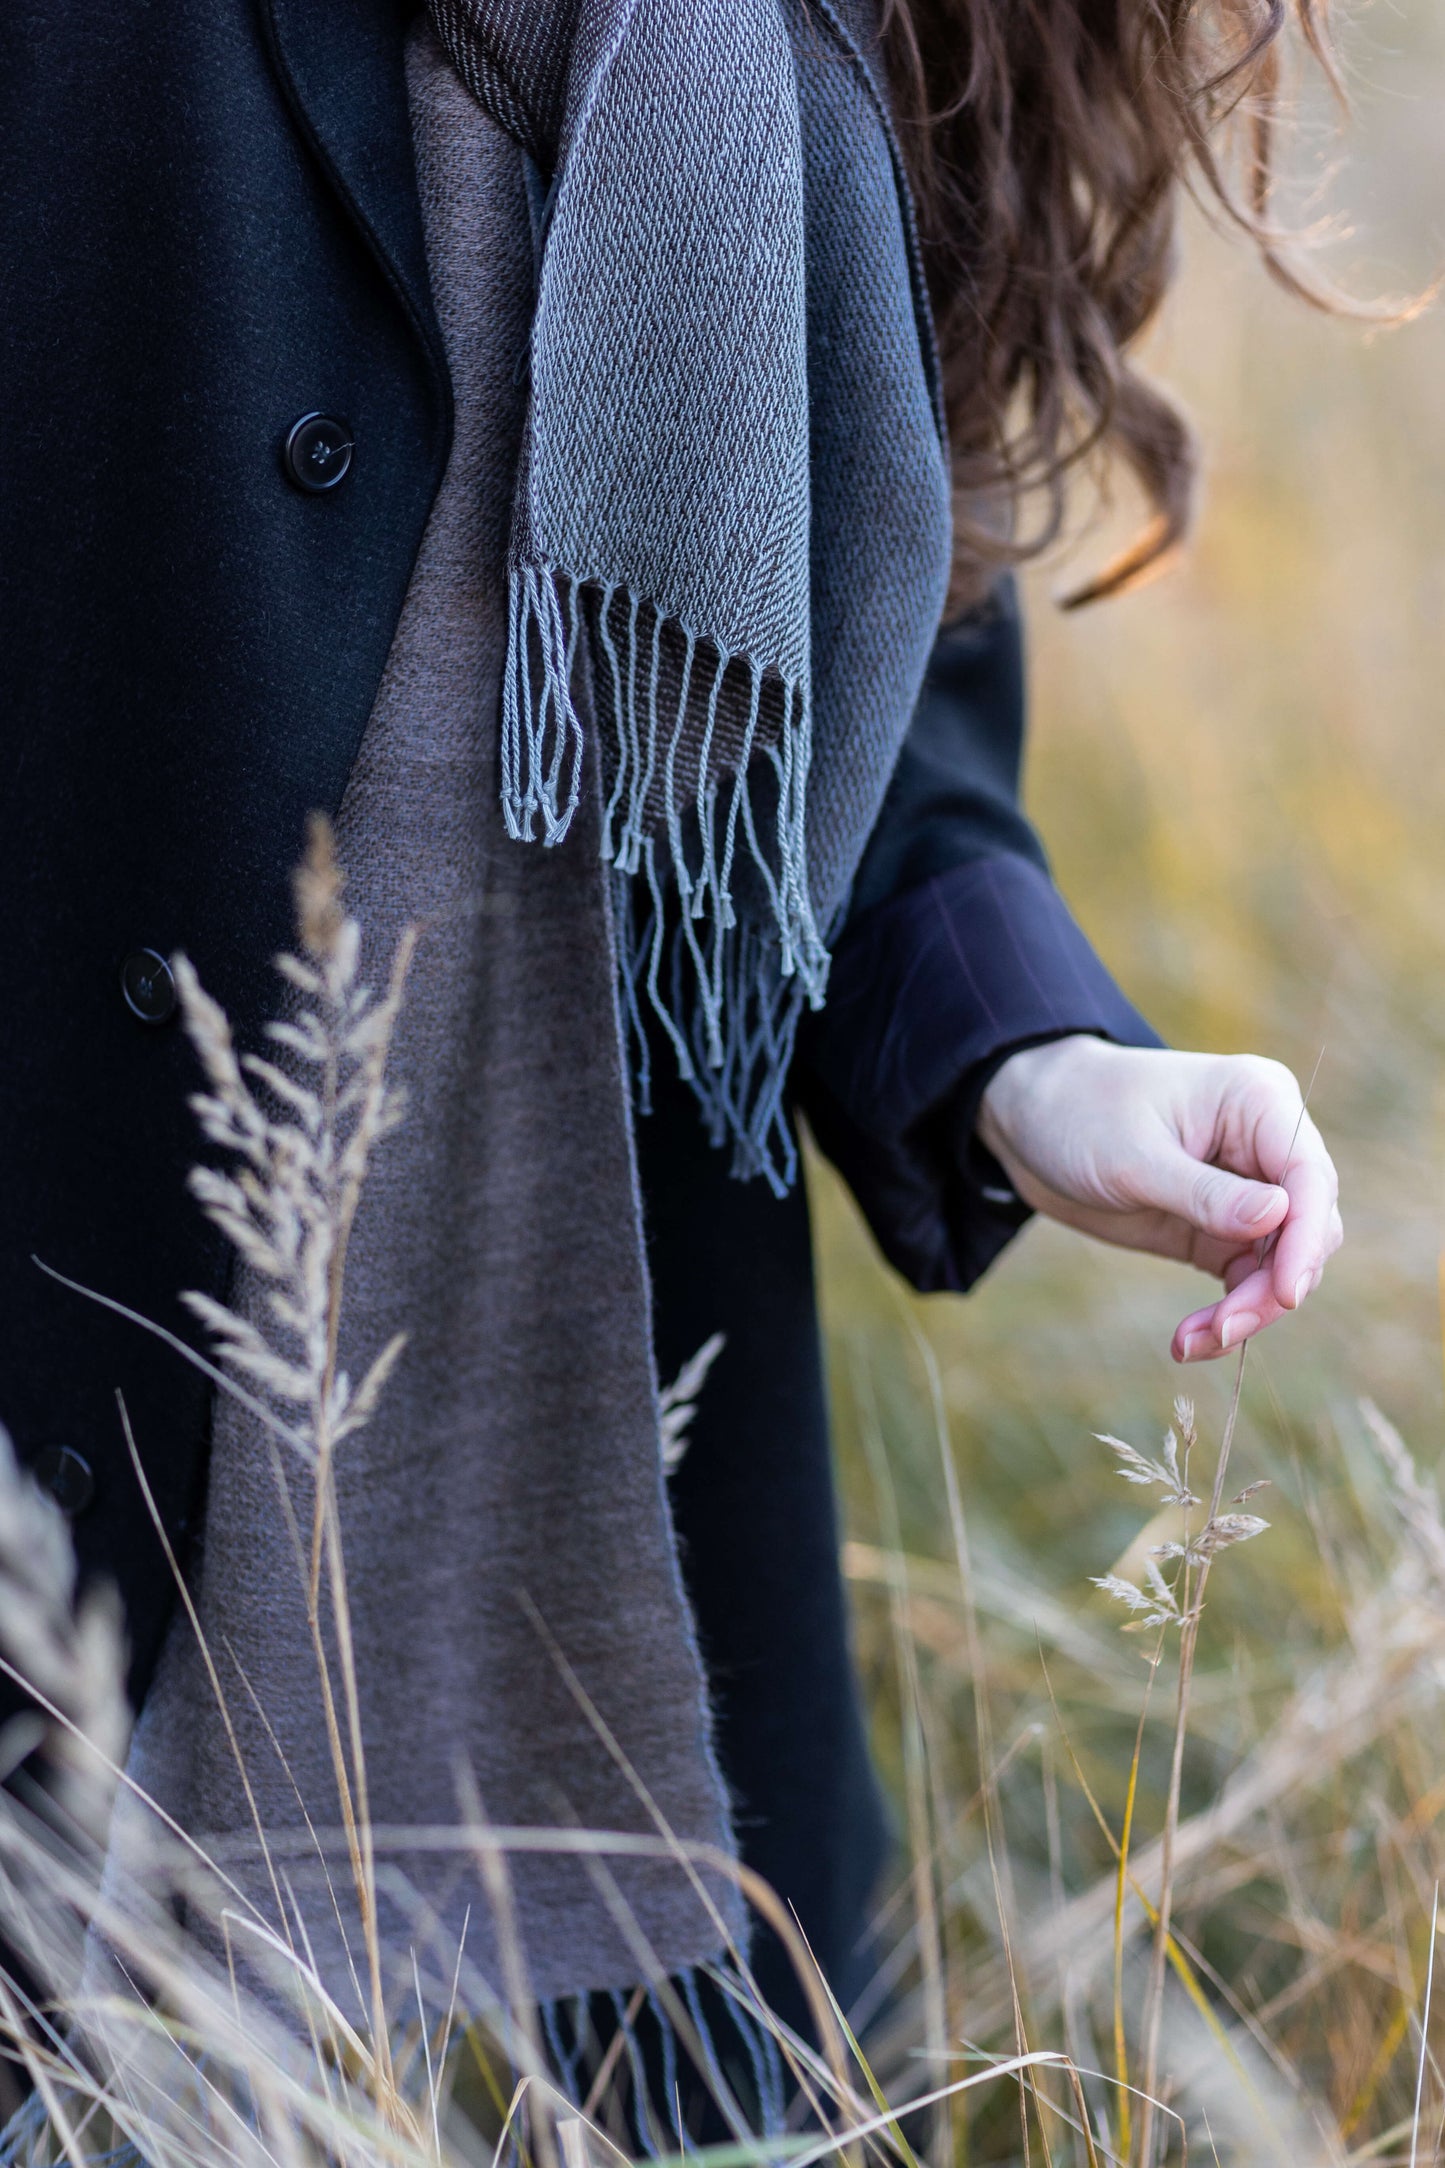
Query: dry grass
point(1099, 1997)
point(1289, 1830)
point(1010, 1961)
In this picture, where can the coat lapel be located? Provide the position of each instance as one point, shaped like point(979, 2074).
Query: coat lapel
point(341, 67)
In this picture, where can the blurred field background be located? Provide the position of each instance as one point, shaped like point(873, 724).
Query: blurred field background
point(1238, 774)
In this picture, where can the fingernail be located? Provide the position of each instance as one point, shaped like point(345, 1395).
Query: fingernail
point(1254, 1213)
point(1238, 1327)
point(1303, 1286)
point(1194, 1345)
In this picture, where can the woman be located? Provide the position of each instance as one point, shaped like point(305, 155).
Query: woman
point(411, 411)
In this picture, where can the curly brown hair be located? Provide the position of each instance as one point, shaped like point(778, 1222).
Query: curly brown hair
point(1049, 142)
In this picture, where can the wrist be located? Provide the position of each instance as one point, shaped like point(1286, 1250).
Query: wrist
point(1028, 1078)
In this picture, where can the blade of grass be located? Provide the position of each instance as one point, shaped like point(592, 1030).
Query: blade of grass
point(1424, 2033)
point(1121, 1886)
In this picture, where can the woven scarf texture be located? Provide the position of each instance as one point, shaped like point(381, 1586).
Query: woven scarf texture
point(731, 506)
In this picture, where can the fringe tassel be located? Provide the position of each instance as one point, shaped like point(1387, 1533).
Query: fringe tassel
point(728, 997)
point(665, 2087)
point(733, 1049)
point(540, 721)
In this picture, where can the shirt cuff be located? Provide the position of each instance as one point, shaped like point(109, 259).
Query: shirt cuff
point(929, 993)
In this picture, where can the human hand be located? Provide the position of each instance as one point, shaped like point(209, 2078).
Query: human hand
point(1209, 1158)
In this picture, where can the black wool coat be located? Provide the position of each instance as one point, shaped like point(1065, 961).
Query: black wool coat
point(209, 227)
point(210, 230)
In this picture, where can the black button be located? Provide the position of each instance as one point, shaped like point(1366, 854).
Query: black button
point(67, 1475)
point(317, 453)
point(148, 986)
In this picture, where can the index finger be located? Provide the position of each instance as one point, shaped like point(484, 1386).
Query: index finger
point(1293, 1153)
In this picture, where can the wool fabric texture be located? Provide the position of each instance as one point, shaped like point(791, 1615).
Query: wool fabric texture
point(513, 1471)
point(732, 486)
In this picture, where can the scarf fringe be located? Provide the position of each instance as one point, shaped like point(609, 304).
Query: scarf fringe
point(740, 2054)
point(735, 992)
point(539, 633)
point(733, 2037)
point(733, 1041)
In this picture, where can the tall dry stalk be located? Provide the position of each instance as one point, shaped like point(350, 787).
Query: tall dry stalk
point(300, 1141)
point(1162, 1604)
point(1198, 1555)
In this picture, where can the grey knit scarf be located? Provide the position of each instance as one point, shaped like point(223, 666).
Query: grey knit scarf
point(732, 493)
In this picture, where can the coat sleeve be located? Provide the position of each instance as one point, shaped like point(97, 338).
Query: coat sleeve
point(957, 951)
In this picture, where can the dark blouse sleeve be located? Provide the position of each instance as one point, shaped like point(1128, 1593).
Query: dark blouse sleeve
point(958, 950)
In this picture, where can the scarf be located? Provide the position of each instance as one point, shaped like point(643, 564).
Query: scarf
point(732, 492)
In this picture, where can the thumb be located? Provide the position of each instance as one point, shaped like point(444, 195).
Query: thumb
point(1218, 1203)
